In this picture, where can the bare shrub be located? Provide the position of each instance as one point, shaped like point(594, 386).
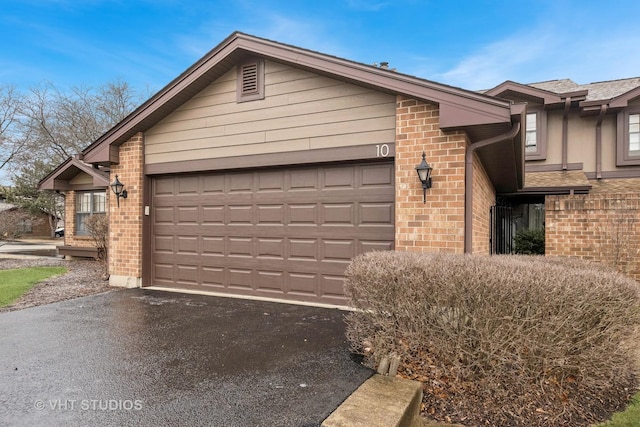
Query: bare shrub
point(503, 340)
point(98, 228)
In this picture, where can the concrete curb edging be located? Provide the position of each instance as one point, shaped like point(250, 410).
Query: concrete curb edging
point(380, 401)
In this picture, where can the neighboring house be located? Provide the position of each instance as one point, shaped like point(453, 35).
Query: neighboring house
point(85, 190)
point(264, 168)
point(17, 222)
point(582, 180)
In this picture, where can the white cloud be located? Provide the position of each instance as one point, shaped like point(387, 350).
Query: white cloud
point(542, 54)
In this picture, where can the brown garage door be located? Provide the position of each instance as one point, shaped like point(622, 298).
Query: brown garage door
point(280, 233)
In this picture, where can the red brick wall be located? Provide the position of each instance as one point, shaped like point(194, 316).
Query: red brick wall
point(438, 225)
point(484, 196)
point(599, 227)
point(125, 222)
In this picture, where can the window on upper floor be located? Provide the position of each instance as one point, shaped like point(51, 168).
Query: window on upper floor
point(628, 137)
point(535, 135)
point(250, 81)
point(88, 203)
point(531, 144)
point(634, 134)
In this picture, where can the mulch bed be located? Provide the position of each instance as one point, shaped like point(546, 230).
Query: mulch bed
point(83, 277)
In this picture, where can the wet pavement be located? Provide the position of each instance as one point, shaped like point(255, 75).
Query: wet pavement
point(142, 357)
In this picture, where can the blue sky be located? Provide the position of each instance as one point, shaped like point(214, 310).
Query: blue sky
point(470, 44)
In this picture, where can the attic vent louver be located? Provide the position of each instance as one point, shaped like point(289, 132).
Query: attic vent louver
point(251, 81)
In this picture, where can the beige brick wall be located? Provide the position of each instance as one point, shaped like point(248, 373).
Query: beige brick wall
point(125, 222)
point(484, 196)
point(599, 227)
point(438, 225)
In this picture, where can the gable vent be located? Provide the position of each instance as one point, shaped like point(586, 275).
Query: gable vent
point(251, 81)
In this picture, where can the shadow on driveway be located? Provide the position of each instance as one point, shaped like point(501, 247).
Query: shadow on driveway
point(141, 357)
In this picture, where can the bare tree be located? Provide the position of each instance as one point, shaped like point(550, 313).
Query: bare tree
point(48, 125)
point(11, 141)
point(60, 124)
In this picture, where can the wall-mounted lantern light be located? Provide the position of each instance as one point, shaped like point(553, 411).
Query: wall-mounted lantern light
point(424, 173)
point(118, 190)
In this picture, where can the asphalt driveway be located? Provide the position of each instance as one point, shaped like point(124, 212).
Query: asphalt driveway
point(141, 357)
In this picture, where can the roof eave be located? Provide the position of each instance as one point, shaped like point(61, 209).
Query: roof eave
point(459, 107)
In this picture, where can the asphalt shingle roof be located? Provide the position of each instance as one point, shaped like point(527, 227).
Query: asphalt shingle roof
point(596, 91)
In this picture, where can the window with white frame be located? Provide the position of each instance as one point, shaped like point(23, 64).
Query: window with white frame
point(531, 143)
point(88, 203)
point(634, 134)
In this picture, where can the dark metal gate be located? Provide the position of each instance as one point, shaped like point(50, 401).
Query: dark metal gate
point(501, 230)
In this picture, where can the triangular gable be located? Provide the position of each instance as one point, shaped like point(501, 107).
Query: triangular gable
point(510, 87)
point(622, 101)
point(60, 177)
point(460, 107)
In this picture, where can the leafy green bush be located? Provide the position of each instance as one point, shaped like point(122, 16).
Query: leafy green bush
point(530, 242)
point(502, 340)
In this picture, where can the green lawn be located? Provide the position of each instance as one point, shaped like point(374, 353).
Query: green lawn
point(14, 283)
point(630, 417)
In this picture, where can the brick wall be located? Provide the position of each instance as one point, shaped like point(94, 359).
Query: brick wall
point(484, 196)
point(125, 222)
point(599, 227)
point(438, 225)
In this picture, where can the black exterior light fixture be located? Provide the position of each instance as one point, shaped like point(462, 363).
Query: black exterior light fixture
point(424, 173)
point(118, 190)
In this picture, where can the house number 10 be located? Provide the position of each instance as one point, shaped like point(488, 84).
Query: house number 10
point(382, 150)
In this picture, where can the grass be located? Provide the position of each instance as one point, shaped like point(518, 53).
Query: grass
point(630, 417)
point(14, 283)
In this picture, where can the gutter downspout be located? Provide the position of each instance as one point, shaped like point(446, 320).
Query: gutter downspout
point(603, 111)
point(565, 133)
point(468, 181)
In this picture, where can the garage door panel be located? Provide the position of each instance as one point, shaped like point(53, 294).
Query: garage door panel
point(287, 233)
point(187, 274)
point(272, 249)
point(239, 278)
point(213, 245)
point(271, 281)
point(338, 213)
point(213, 276)
point(270, 215)
point(303, 249)
point(240, 182)
point(303, 180)
point(338, 250)
point(332, 286)
point(376, 176)
point(240, 247)
point(303, 214)
point(271, 181)
point(213, 214)
point(370, 246)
